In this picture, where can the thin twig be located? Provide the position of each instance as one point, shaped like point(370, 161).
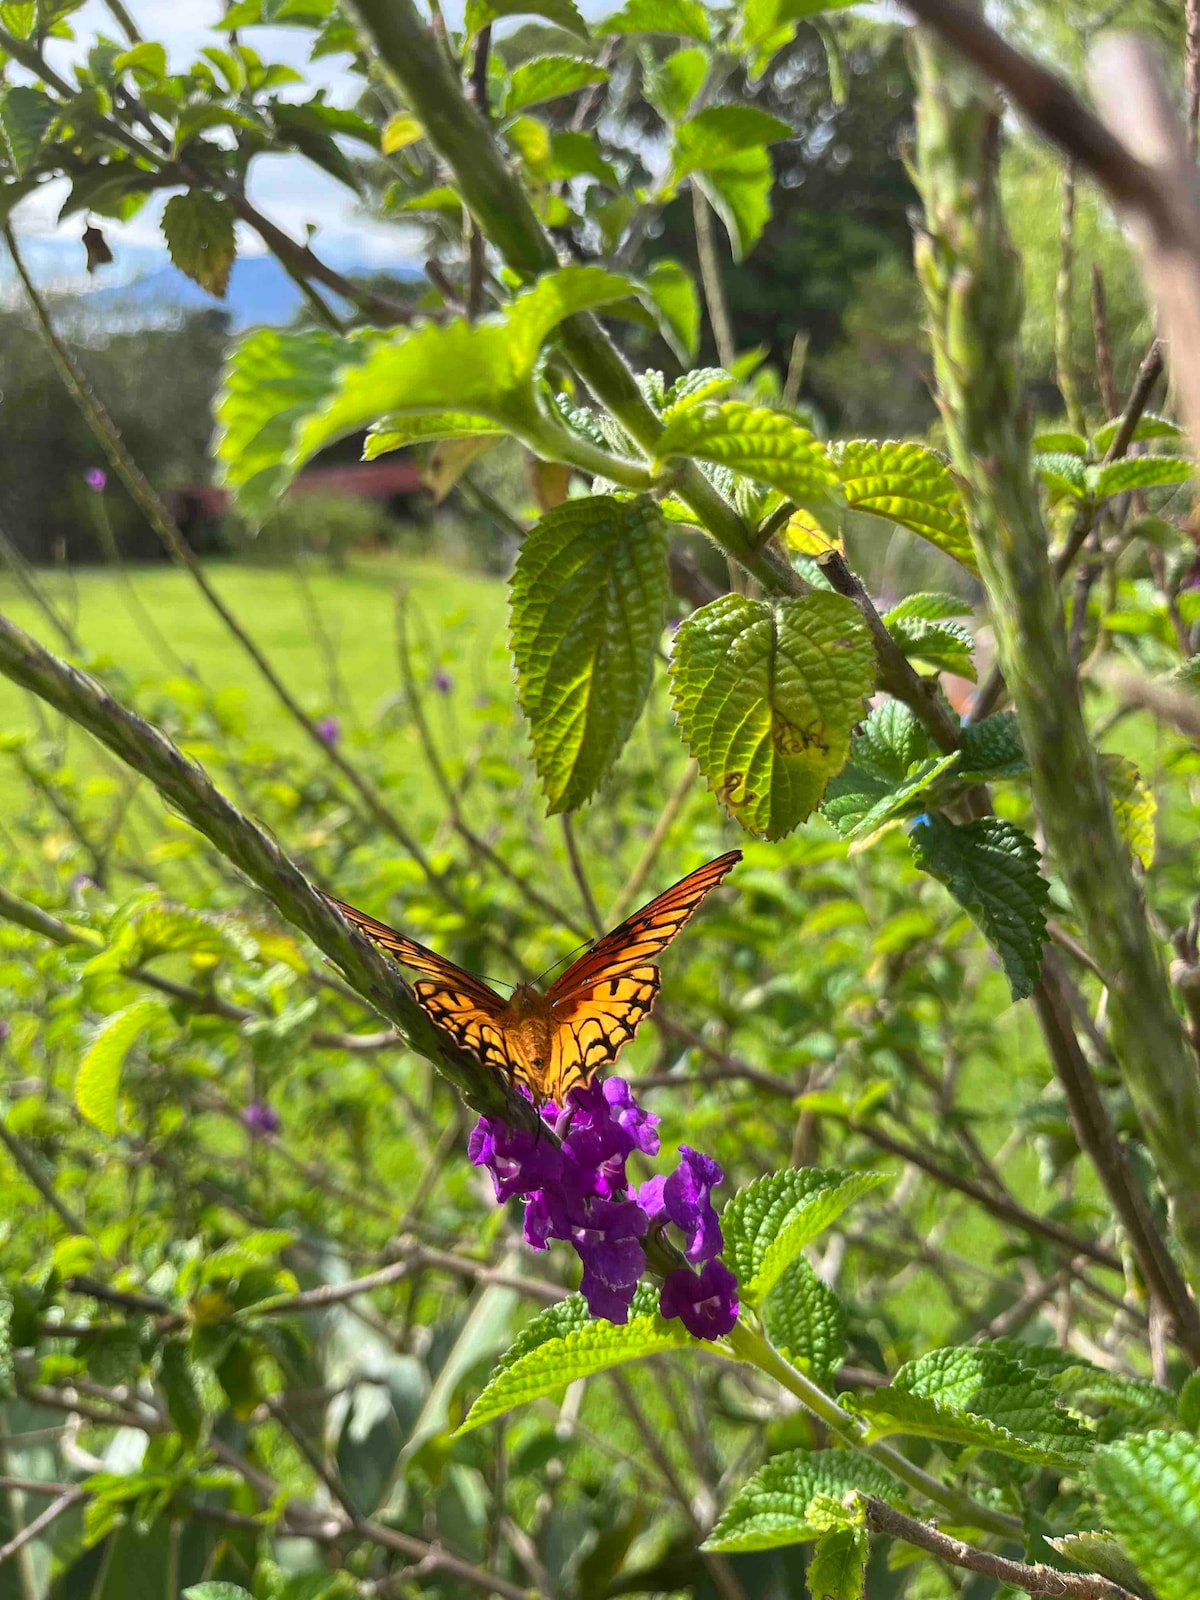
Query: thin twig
point(580, 876)
point(1035, 1580)
point(634, 883)
point(29, 1165)
point(40, 1523)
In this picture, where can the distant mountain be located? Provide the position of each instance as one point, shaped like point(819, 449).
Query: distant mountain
point(260, 292)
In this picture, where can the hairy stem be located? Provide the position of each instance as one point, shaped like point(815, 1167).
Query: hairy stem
point(972, 290)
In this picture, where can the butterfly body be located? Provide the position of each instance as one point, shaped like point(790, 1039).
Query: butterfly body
point(554, 1040)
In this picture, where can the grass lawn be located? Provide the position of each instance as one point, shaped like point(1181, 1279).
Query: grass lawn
point(457, 622)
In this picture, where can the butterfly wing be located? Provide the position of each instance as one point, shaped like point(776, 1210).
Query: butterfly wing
point(600, 1001)
point(452, 999)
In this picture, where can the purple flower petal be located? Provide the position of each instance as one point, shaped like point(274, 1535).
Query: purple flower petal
point(706, 1302)
point(605, 1301)
point(329, 731)
point(650, 1198)
point(517, 1159)
point(637, 1124)
point(687, 1197)
point(96, 479)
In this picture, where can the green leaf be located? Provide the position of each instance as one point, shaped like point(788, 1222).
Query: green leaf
point(804, 1319)
point(98, 1080)
point(776, 1506)
point(20, 17)
point(177, 1376)
point(1150, 1495)
point(767, 695)
point(553, 1363)
point(672, 85)
point(1134, 806)
point(909, 484)
point(979, 1396)
point(992, 749)
point(688, 18)
point(272, 379)
point(577, 155)
point(838, 1569)
point(1139, 472)
point(673, 290)
point(929, 606)
point(399, 132)
point(1063, 472)
point(1060, 442)
point(25, 118)
point(563, 13)
point(548, 78)
point(394, 433)
point(767, 445)
point(1150, 426)
point(769, 1221)
point(216, 1591)
point(587, 599)
point(948, 646)
point(767, 25)
point(1098, 1552)
point(715, 136)
point(485, 366)
point(739, 192)
point(991, 869)
point(892, 764)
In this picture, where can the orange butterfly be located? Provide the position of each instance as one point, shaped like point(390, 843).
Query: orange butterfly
point(553, 1041)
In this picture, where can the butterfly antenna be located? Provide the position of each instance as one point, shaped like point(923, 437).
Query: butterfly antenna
point(561, 959)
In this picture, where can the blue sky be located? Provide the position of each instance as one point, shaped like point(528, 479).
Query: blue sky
point(293, 192)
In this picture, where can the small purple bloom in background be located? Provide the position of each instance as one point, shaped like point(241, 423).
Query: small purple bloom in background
point(96, 479)
point(443, 682)
point(261, 1119)
point(706, 1302)
point(577, 1193)
point(79, 883)
point(5, 1029)
point(329, 731)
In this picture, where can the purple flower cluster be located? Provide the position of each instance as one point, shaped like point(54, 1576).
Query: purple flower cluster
point(577, 1191)
point(329, 731)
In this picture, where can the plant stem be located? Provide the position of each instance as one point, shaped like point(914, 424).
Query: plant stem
point(972, 290)
point(1034, 1579)
point(749, 1345)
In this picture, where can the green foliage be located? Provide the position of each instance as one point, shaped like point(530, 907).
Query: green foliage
point(991, 869)
point(768, 1223)
point(563, 13)
point(199, 230)
point(98, 1082)
point(270, 382)
point(805, 1321)
point(485, 367)
point(892, 764)
point(588, 594)
point(838, 1569)
point(553, 1362)
point(766, 697)
point(908, 484)
point(978, 1396)
point(766, 445)
point(1150, 1493)
point(548, 78)
point(686, 18)
point(786, 1502)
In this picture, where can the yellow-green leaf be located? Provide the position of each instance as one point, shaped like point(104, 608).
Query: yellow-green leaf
point(909, 484)
point(98, 1080)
